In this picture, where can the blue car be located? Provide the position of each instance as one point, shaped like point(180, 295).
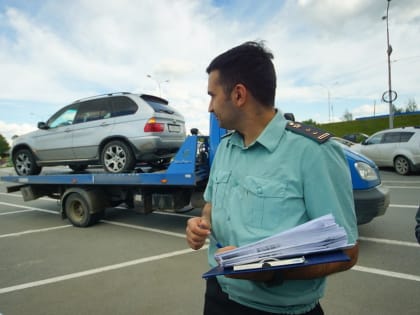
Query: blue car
point(371, 198)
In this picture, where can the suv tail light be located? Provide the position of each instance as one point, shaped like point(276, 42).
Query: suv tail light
point(153, 126)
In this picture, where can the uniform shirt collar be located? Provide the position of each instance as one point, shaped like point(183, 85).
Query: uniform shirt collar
point(269, 138)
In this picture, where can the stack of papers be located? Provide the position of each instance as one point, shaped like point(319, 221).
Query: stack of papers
point(315, 236)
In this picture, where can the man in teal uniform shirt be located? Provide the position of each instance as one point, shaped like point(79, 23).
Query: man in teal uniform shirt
point(268, 175)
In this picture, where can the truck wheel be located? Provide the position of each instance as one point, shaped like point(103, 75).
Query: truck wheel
point(117, 157)
point(402, 165)
point(78, 211)
point(25, 164)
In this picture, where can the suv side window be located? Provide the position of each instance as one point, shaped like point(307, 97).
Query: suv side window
point(93, 110)
point(406, 136)
point(391, 137)
point(122, 106)
point(64, 117)
point(375, 139)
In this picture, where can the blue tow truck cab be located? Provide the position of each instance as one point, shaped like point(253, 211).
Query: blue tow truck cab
point(84, 197)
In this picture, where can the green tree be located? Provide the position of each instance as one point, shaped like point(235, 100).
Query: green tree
point(396, 110)
point(310, 122)
point(4, 145)
point(347, 116)
point(411, 106)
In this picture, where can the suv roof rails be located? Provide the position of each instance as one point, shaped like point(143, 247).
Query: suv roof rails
point(100, 95)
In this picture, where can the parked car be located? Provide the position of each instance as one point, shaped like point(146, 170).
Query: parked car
point(398, 148)
point(346, 142)
point(115, 130)
point(356, 137)
point(371, 198)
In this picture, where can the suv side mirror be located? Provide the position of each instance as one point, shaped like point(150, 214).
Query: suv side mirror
point(42, 125)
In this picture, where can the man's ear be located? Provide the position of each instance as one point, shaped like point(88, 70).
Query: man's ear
point(239, 94)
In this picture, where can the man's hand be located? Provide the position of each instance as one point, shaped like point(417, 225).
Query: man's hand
point(197, 231)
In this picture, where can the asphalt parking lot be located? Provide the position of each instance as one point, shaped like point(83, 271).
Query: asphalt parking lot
point(136, 264)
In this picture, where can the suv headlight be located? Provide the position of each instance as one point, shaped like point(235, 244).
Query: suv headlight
point(366, 171)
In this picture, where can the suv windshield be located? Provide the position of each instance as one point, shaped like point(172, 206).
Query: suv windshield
point(64, 117)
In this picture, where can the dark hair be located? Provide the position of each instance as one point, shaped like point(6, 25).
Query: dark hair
point(249, 64)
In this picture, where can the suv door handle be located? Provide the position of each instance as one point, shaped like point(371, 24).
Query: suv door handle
point(104, 124)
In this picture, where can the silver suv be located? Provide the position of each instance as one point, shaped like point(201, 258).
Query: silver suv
point(115, 130)
point(398, 148)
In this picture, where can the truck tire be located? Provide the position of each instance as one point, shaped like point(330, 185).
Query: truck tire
point(78, 211)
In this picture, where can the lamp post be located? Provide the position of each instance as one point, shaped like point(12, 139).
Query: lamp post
point(390, 95)
point(330, 108)
point(158, 83)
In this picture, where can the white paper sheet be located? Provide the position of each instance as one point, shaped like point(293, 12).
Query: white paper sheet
point(318, 235)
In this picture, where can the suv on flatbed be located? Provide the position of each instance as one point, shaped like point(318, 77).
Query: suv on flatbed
point(115, 130)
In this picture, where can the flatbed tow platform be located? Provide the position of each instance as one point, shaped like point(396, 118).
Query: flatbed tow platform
point(85, 196)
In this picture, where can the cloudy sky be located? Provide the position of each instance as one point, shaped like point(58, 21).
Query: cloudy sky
point(55, 52)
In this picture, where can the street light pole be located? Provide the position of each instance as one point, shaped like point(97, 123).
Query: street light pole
point(158, 83)
point(330, 107)
point(391, 94)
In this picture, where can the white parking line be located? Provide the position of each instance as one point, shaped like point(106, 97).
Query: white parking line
point(17, 211)
point(401, 181)
point(18, 195)
point(28, 208)
point(403, 206)
point(94, 271)
point(143, 228)
point(389, 242)
point(382, 272)
point(387, 273)
point(403, 187)
point(35, 231)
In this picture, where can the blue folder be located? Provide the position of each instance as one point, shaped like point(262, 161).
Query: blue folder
point(312, 259)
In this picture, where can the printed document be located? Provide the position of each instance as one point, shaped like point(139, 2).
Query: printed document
point(319, 235)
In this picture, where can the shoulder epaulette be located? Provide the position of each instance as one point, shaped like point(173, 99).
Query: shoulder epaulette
point(310, 132)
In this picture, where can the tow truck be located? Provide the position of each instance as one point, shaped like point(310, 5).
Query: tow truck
point(85, 196)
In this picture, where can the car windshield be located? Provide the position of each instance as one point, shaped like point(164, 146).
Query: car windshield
point(63, 119)
point(160, 107)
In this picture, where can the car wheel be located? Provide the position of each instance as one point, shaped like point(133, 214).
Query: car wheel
point(402, 165)
point(78, 167)
point(117, 157)
point(24, 163)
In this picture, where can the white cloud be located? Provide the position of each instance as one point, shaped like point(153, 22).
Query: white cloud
point(57, 52)
point(370, 110)
point(8, 130)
